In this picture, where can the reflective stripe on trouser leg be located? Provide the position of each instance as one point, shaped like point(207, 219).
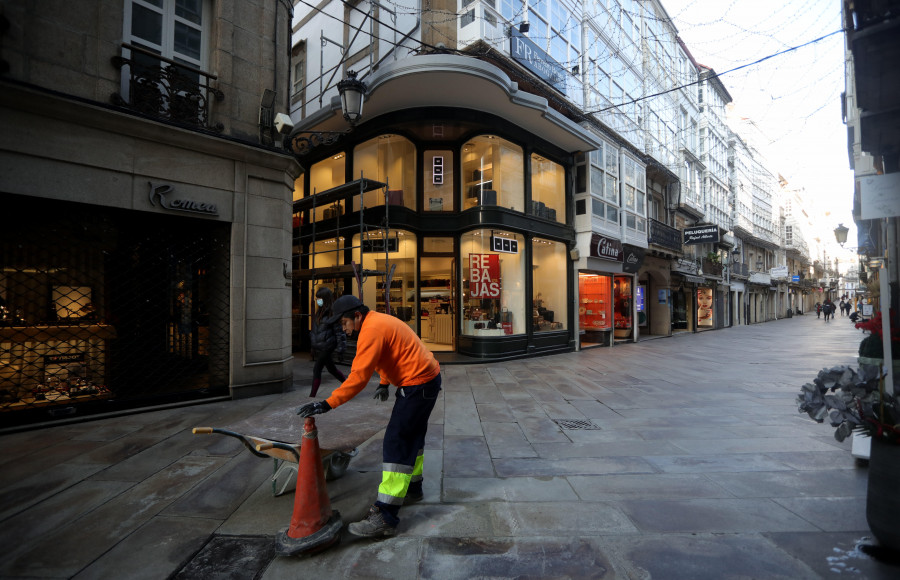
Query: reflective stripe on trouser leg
point(395, 480)
point(419, 467)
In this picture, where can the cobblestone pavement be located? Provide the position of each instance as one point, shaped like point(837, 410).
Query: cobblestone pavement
point(677, 458)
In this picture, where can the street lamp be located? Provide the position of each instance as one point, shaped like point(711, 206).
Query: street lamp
point(353, 94)
point(840, 234)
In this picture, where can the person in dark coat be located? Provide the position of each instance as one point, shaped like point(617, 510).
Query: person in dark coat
point(325, 340)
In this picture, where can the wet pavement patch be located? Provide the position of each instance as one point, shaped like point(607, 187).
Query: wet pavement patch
point(230, 558)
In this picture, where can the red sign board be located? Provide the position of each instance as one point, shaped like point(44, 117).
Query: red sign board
point(484, 275)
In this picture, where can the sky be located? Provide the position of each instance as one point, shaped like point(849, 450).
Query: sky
point(794, 98)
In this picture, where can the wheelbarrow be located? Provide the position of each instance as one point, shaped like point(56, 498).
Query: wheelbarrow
point(277, 432)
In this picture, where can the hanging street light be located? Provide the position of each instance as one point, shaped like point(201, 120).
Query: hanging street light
point(353, 94)
point(840, 234)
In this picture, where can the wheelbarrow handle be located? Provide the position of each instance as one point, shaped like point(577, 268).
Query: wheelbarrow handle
point(202, 430)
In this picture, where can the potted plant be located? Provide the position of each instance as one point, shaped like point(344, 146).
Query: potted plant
point(871, 349)
point(857, 400)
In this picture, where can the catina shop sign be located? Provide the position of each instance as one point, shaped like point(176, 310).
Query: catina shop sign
point(484, 275)
point(606, 248)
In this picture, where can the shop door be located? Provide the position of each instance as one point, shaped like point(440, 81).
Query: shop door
point(437, 296)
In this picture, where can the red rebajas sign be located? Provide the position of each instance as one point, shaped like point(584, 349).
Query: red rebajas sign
point(484, 277)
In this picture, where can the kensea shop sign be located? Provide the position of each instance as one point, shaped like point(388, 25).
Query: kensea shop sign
point(161, 194)
point(606, 248)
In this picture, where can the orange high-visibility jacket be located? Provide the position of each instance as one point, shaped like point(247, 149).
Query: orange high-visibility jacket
point(388, 346)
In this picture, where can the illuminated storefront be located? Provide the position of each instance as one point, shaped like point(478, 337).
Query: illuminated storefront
point(472, 224)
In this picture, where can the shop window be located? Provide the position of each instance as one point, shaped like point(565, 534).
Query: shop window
point(390, 159)
point(623, 311)
point(323, 176)
point(704, 307)
point(493, 174)
point(550, 301)
point(92, 309)
point(594, 303)
point(493, 283)
point(438, 187)
point(548, 189)
point(380, 253)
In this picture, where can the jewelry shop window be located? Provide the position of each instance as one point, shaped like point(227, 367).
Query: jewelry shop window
point(390, 159)
point(548, 271)
point(323, 176)
point(493, 174)
point(548, 189)
point(493, 288)
point(380, 253)
point(438, 188)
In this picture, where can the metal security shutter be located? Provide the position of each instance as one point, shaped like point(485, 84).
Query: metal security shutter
point(104, 309)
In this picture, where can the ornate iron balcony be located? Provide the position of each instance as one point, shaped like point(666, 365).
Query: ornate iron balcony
point(663, 235)
point(160, 87)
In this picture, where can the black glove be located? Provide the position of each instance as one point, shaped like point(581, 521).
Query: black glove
point(381, 392)
point(314, 408)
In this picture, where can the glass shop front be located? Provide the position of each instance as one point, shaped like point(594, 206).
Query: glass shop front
point(104, 309)
point(464, 235)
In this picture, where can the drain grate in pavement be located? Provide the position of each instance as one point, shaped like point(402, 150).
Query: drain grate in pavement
point(573, 424)
point(230, 558)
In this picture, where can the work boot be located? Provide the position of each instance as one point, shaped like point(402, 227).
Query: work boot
point(372, 526)
point(412, 498)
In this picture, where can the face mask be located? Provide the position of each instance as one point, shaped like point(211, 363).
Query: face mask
point(319, 302)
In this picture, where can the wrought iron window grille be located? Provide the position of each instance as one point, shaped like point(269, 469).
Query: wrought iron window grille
point(161, 87)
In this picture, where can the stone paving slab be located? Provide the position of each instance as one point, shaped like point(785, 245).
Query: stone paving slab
point(713, 516)
point(19, 532)
point(715, 463)
point(162, 543)
point(82, 541)
point(840, 483)
point(705, 556)
point(660, 486)
point(463, 559)
point(520, 489)
point(519, 467)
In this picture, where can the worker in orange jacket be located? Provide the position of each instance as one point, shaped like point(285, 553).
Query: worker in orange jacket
point(388, 346)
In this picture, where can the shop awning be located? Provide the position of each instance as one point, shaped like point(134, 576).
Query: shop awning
point(694, 279)
point(461, 82)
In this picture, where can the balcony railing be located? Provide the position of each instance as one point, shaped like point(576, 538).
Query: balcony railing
point(711, 268)
point(740, 269)
point(663, 235)
point(160, 87)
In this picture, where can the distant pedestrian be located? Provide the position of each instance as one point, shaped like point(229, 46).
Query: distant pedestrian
point(818, 310)
point(325, 339)
point(828, 309)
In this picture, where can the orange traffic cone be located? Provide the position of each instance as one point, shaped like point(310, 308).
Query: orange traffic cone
point(314, 525)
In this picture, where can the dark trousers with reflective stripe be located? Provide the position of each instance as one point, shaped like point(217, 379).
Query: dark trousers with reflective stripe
point(404, 444)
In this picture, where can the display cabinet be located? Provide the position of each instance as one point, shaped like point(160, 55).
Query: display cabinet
point(479, 190)
point(594, 304)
